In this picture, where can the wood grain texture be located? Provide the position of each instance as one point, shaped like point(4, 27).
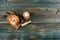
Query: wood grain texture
point(45, 16)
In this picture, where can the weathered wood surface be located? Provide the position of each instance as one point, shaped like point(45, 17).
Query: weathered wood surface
point(45, 16)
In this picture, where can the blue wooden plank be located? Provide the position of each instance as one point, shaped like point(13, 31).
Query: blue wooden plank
point(37, 27)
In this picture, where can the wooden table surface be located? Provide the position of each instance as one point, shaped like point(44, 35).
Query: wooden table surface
point(45, 16)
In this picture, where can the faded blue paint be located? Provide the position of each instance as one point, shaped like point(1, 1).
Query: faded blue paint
point(24, 32)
